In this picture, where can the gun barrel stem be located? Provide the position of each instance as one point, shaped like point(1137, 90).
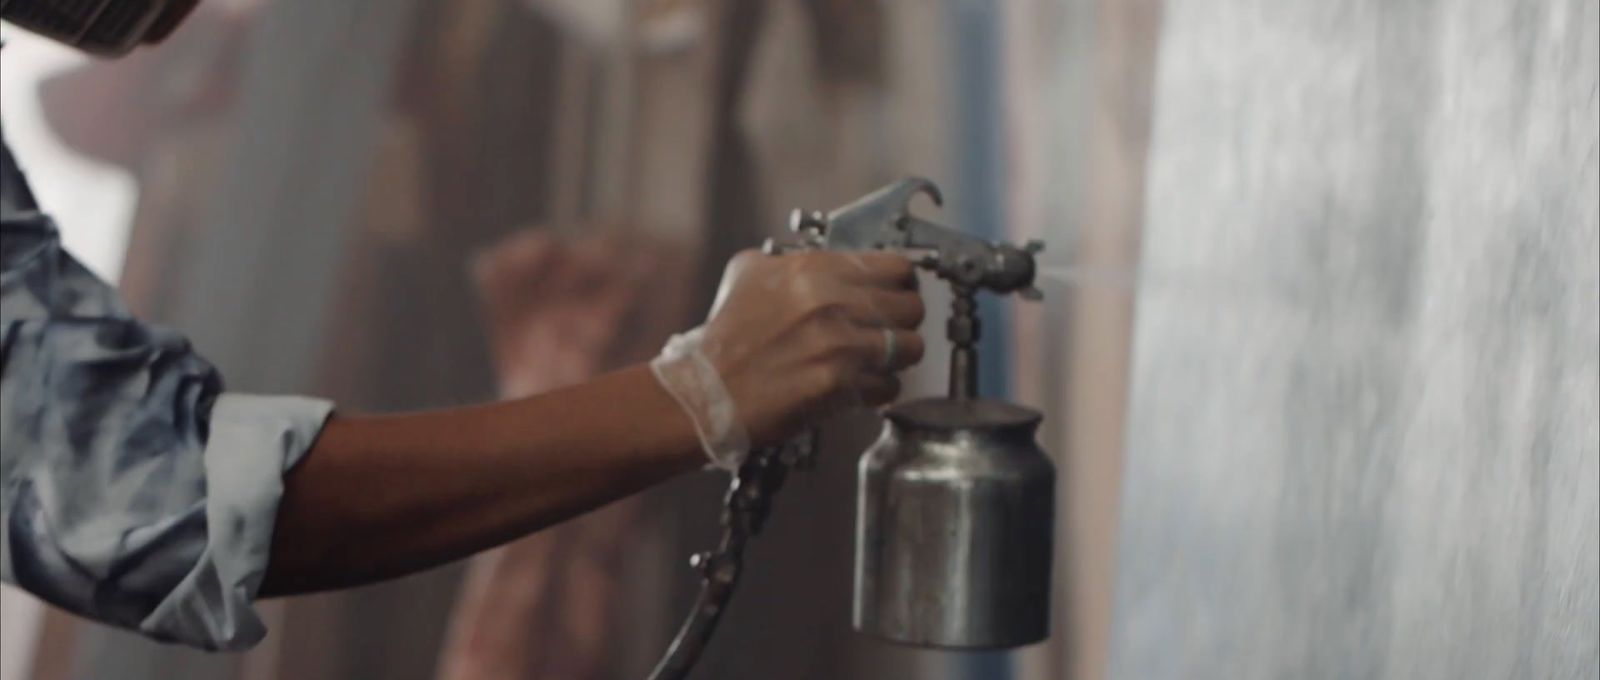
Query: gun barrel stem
point(963, 330)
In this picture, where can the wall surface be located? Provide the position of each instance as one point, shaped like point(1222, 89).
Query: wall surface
point(1362, 430)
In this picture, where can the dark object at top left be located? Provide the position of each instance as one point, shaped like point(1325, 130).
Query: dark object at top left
point(103, 27)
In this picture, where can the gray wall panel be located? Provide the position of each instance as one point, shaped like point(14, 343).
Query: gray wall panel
point(1362, 439)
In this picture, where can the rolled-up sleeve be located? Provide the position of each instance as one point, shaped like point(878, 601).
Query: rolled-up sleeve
point(136, 491)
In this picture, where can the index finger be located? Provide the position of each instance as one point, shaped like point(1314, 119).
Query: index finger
point(879, 268)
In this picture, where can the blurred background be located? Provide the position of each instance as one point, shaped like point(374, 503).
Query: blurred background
point(1318, 353)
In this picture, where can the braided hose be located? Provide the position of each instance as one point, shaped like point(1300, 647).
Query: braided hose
point(744, 512)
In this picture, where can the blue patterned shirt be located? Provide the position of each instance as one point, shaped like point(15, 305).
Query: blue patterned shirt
point(134, 490)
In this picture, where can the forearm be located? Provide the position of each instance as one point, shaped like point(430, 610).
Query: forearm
point(379, 497)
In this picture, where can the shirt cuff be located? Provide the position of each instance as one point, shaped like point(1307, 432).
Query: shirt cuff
point(253, 440)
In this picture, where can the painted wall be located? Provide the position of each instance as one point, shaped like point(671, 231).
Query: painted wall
point(1362, 429)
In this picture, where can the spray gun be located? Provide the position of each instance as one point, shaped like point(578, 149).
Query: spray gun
point(955, 503)
point(882, 220)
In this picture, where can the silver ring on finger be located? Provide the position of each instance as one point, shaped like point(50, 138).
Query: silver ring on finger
point(888, 349)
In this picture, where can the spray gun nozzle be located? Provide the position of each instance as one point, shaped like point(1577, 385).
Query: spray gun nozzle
point(882, 220)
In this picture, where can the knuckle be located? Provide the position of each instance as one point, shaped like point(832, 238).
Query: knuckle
point(834, 340)
point(823, 304)
point(823, 309)
point(848, 344)
point(745, 259)
point(816, 336)
point(811, 262)
point(819, 382)
point(890, 264)
point(836, 376)
point(807, 294)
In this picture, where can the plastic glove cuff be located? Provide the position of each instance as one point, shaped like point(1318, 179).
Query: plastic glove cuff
point(686, 374)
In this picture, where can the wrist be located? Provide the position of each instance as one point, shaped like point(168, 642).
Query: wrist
point(660, 413)
point(687, 375)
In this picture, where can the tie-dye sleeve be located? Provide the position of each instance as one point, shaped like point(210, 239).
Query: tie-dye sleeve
point(136, 491)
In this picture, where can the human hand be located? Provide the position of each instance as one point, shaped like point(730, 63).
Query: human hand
point(792, 339)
